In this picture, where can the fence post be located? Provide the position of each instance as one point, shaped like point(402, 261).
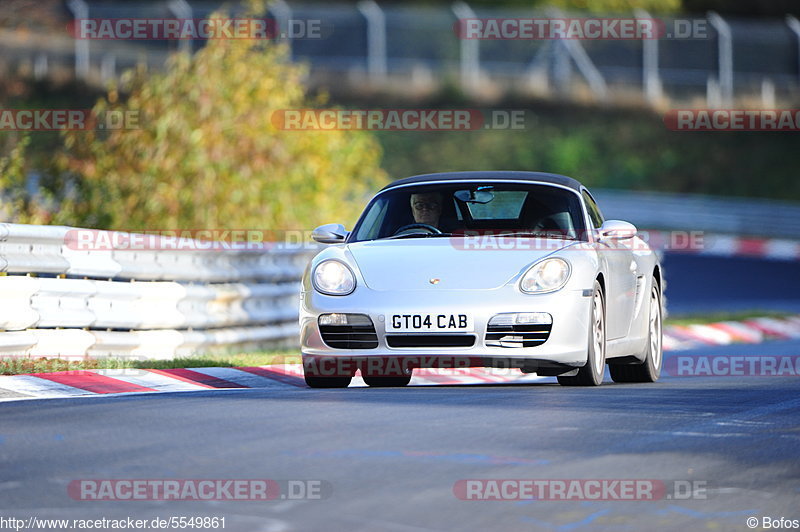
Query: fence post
point(767, 93)
point(651, 80)
point(713, 96)
point(376, 40)
point(562, 51)
point(80, 10)
point(40, 66)
point(794, 25)
point(108, 67)
point(725, 51)
point(181, 9)
point(470, 52)
point(283, 15)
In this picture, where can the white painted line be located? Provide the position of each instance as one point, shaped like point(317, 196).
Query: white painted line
point(148, 379)
point(243, 378)
point(37, 387)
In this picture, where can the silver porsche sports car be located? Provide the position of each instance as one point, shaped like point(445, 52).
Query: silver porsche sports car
point(492, 269)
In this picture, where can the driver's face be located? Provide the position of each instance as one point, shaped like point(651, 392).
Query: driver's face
point(426, 208)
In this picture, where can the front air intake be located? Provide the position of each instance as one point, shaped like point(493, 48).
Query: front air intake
point(348, 331)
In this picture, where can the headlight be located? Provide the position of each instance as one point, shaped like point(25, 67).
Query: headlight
point(545, 276)
point(333, 278)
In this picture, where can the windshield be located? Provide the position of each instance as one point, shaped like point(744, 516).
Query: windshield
point(465, 208)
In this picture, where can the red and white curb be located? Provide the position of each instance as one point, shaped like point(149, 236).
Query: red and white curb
point(104, 382)
point(108, 382)
point(753, 331)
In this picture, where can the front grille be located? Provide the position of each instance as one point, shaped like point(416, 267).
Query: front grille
point(349, 336)
point(517, 335)
point(430, 340)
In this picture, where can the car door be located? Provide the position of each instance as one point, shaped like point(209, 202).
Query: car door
point(620, 268)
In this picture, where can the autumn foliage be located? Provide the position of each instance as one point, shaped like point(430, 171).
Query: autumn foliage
point(202, 151)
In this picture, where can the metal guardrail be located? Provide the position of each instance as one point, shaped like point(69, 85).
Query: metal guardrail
point(62, 300)
point(694, 212)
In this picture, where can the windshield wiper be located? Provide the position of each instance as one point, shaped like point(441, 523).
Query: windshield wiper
point(537, 234)
point(415, 235)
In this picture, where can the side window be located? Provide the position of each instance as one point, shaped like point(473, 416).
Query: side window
point(593, 210)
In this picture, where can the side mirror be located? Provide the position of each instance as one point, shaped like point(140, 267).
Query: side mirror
point(330, 234)
point(617, 230)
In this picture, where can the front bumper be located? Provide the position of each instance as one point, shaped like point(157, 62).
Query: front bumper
point(566, 345)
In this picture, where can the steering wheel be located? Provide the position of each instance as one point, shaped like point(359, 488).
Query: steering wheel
point(430, 228)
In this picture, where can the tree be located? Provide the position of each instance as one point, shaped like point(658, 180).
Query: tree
point(17, 204)
point(205, 154)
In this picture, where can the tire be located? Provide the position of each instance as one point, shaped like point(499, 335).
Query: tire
point(388, 381)
point(327, 382)
point(591, 374)
point(326, 372)
point(649, 370)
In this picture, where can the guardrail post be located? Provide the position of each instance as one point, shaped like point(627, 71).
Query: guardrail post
point(376, 40)
point(725, 55)
point(80, 11)
point(470, 50)
point(183, 10)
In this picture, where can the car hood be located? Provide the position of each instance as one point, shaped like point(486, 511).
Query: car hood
point(412, 264)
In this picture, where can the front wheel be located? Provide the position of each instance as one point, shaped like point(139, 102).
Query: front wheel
point(327, 382)
point(327, 372)
point(389, 379)
point(591, 374)
point(648, 370)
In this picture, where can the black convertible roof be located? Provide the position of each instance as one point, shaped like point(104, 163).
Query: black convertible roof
point(489, 175)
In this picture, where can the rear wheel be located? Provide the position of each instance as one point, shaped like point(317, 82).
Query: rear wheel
point(650, 369)
point(591, 374)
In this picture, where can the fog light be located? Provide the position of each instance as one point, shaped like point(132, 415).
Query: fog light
point(521, 318)
point(344, 319)
point(333, 319)
point(533, 318)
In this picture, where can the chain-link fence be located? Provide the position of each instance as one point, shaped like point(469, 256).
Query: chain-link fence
point(710, 57)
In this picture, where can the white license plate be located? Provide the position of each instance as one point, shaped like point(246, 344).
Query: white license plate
point(456, 323)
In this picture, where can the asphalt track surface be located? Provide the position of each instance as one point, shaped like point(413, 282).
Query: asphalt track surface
point(389, 458)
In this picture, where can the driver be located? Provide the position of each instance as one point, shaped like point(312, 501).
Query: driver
point(427, 208)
